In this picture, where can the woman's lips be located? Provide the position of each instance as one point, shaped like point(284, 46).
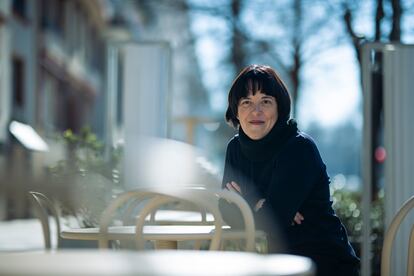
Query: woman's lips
point(256, 122)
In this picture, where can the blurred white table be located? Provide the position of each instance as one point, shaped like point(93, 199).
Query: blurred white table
point(150, 232)
point(164, 262)
point(169, 235)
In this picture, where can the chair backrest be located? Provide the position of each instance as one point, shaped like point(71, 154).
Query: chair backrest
point(44, 207)
point(163, 199)
point(208, 198)
point(155, 199)
point(187, 215)
point(389, 239)
point(204, 199)
point(247, 215)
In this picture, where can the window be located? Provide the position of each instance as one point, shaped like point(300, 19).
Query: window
point(18, 81)
point(52, 16)
point(2, 19)
point(19, 7)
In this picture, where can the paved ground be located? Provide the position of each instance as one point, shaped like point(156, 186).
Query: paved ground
point(21, 235)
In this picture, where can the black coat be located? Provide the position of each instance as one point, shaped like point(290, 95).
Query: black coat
point(287, 170)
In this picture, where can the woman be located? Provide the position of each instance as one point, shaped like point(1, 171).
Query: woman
point(279, 171)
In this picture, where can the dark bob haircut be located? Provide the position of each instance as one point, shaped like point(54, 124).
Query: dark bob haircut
point(256, 78)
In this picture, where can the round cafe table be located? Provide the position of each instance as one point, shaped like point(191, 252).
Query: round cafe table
point(165, 236)
point(162, 262)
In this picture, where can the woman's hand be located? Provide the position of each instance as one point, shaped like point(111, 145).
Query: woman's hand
point(233, 186)
point(259, 204)
point(298, 219)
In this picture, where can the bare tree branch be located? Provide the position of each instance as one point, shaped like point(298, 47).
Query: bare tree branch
point(357, 40)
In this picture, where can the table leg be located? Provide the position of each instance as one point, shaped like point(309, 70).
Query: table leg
point(197, 245)
point(166, 244)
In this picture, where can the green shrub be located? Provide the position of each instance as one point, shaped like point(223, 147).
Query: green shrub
point(90, 179)
point(347, 205)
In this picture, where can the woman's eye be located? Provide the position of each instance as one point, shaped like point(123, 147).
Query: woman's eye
point(267, 102)
point(245, 103)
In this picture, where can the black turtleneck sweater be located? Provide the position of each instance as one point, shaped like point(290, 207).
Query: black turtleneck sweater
point(286, 169)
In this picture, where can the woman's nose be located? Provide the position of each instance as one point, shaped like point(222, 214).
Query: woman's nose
point(257, 107)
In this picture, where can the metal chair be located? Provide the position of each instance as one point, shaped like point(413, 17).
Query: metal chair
point(154, 200)
point(43, 207)
point(389, 239)
point(204, 199)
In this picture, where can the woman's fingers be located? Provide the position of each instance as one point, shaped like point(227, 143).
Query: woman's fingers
point(233, 186)
point(259, 204)
point(229, 187)
point(298, 218)
point(236, 187)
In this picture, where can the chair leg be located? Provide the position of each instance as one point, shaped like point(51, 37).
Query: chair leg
point(410, 260)
point(42, 214)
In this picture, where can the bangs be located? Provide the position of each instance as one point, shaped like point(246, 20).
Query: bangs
point(260, 84)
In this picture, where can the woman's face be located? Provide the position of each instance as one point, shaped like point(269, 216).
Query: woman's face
point(257, 114)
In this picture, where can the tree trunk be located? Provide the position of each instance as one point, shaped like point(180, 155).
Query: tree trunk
point(238, 56)
point(395, 34)
point(294, 75)
point(297, 55)
point(379, 15)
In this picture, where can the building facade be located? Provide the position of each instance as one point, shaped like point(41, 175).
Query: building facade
point(52, 70)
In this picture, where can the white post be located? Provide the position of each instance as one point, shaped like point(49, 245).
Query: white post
point(5, 98)
point(398, 142)
point(111, 99)
point(366, 162)
point(398, 113)
point(5, 77)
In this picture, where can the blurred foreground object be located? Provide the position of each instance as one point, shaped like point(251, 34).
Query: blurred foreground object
point(389, 239)
point(164, 162)
point(154, 263)
point(26, 135)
